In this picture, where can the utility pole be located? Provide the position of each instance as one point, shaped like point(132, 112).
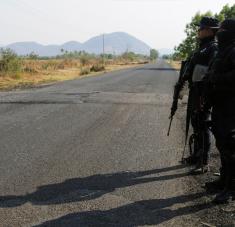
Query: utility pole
point(127, 48)
point(103, 50)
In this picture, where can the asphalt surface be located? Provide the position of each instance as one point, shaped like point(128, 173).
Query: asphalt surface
point(94, 152)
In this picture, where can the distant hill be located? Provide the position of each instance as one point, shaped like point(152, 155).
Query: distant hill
point(115, 43)
point(24, 48)
point(71, 46)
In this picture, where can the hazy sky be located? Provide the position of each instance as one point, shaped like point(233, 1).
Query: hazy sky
point(160, 23)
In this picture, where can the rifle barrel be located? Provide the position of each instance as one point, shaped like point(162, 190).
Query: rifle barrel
point(169, 129)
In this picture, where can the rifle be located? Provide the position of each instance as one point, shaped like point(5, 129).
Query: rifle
point(174, 105)
point(197, 139)
point(169, 129)
point(177, 89)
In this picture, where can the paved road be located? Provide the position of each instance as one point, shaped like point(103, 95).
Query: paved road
point(94, 152)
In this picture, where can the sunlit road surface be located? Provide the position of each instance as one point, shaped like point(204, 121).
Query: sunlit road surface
point(94, 152)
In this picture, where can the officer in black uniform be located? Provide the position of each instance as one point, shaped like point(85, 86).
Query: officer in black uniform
point(199, 62)
point(221, 84)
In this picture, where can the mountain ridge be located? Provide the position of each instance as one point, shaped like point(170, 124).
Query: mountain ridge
point(115, 43)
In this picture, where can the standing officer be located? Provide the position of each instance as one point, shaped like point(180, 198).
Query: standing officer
point(194, 72)
point(221, 81)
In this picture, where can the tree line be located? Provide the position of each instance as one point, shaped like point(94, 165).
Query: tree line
point(12, 64)
point(185, 48)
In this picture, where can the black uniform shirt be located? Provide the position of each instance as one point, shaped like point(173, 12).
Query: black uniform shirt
point(223, 74)
point(202, 56)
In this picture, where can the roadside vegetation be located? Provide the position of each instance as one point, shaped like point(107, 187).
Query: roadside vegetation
point(26, 71)
point(154, 55)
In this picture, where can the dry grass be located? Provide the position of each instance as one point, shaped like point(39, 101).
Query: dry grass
point(28, 80)
point(39, 72)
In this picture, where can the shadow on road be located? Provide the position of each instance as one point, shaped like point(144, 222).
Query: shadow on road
point(87, 188)
point(146, 212)
point(37, 102)
point(158, 69)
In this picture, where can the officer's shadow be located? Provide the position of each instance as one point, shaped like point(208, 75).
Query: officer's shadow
point(140, 213)
point(88, 188)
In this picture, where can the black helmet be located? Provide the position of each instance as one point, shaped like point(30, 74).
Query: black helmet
point(208, 22)
point(226, 33)
point(228, 25)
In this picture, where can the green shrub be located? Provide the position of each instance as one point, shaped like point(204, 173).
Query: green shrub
point(10, 63)
point(97, 68)
point(33, 56)
point(84, 59)
point(84, 71)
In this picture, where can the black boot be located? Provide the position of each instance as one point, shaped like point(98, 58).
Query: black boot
point(201, 165)
point(191, 160)
point(228, 194)
point(200, 169)
point(224, 197)
point(216, 185)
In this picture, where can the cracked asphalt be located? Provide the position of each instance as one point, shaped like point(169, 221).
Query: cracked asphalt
point(94, 152)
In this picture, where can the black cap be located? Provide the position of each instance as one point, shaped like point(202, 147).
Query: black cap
point(229, 25)
point(208, 22)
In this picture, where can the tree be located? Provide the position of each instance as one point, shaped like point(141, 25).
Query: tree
point(185, 48)
point(33, 56)
point(10, 63)
point(226, 12)
point(166, 56)
point(190, 43)
point(153, 54)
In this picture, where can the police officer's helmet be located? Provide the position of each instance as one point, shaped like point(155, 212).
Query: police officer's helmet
point(208, 22)
point(228, 25)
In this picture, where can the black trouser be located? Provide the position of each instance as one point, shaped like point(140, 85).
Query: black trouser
point(227, 156)
point(224, 131)
point(202, 143)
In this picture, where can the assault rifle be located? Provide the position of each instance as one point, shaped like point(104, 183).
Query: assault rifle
point(177, 89)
